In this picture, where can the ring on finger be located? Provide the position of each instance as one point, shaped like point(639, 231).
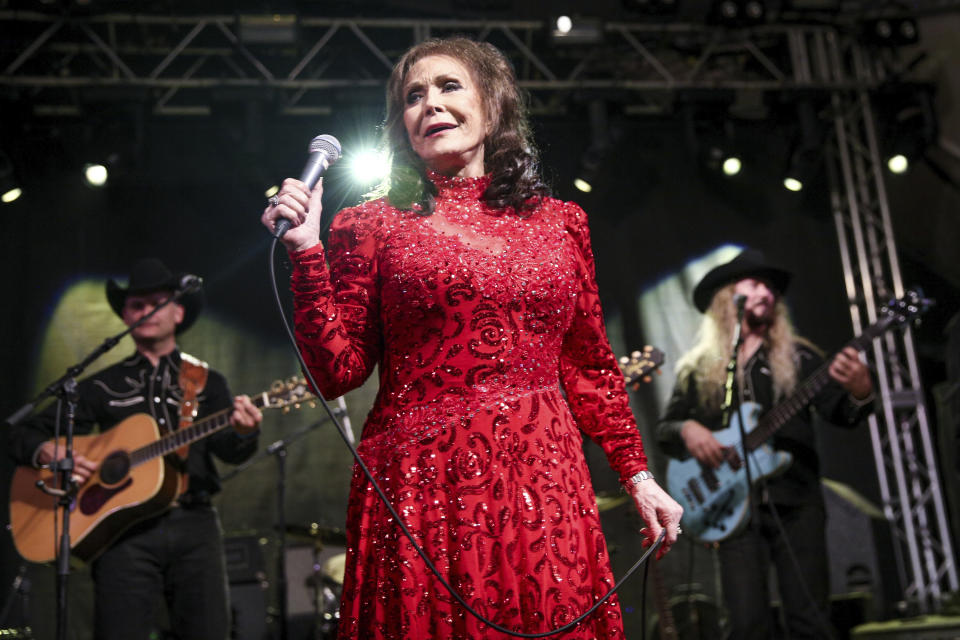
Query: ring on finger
point(273, 200)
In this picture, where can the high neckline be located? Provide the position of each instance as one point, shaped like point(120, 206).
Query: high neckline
point(459, 187)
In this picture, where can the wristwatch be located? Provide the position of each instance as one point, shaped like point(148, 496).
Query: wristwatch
point(639, 477)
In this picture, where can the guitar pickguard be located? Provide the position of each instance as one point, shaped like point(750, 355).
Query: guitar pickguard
point(97, 495)
point(714, 501)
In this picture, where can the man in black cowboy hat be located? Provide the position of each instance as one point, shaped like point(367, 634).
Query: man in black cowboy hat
point(177, 555)
point(787, 526)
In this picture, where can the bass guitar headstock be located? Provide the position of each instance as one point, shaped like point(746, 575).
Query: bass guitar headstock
point(907, 308)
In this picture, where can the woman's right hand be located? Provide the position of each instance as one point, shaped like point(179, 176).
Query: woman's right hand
point(302, 208)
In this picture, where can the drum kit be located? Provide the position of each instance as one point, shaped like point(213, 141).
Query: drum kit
point(325, 579)
point(323, 548)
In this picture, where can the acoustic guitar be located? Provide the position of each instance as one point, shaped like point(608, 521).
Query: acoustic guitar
point(133, 480)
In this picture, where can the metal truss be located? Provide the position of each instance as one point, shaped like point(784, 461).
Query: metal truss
point(902, 441)
point(303, 65)
point(186, 64)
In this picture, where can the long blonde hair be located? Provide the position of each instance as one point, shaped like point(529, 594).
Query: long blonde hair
point(706, 363)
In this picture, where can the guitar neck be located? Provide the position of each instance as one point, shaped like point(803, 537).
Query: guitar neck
point(806, 392)
point(188, 435)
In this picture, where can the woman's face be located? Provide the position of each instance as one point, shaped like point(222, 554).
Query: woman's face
point(444, 117)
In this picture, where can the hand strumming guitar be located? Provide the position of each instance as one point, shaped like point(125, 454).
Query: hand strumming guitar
point(83, 467)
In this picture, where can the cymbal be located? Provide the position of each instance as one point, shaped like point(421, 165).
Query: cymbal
point(315, 533)
point(607, 501)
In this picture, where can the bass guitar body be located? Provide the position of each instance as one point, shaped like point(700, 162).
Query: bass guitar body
point(116, 496)
point(715, 501)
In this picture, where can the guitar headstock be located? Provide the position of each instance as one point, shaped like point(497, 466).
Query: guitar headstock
point(638, 366)
point(907, 308)
point(284, 394)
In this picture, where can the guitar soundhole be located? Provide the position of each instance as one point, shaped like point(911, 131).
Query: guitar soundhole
point(114, 468)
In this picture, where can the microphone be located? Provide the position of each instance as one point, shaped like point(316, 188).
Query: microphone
point(190, 283)
point(324, 151)
point(740, 302)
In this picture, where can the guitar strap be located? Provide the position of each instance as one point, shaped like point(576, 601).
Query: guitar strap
point(193, 378)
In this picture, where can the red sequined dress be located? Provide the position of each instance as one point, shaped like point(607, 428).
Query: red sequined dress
point(492, 357)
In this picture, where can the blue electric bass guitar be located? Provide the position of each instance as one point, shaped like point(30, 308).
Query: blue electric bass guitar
point(714, 501)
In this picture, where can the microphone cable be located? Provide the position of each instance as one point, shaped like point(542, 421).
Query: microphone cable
point(396, 516)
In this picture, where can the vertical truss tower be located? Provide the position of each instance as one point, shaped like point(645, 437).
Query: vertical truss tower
point(900, 432)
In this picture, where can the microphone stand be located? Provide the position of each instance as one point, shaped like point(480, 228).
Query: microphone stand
point(279, 450)
point(728, 401)
point(65, 388)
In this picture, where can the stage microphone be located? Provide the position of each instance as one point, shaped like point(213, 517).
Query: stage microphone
point(190, 283)
point(324, 151)
point(740, 302)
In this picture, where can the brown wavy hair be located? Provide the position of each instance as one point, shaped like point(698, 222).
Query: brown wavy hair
point(510, 156)
point(706, 362)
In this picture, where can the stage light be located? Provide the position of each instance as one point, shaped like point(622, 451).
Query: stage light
point(908, 125)
point(898, 163)
point(95, 174)
point(754, 11)
point(805, 156)
point(11, 194)
point(891, 32)
point(267, 29)
point(575, 30)
point(9, 188)
point(601, 138)
point(732, 166)
point(734, 13)
point(369, 166)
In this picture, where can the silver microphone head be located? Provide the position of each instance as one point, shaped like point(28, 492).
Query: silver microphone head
point(328, 145)
point(190, 283)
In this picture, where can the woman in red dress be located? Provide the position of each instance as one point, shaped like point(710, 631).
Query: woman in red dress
point(473, 294)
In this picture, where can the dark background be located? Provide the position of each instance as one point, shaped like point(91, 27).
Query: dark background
point(190, 190)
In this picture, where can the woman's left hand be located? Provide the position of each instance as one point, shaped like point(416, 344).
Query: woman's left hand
point(659, 511)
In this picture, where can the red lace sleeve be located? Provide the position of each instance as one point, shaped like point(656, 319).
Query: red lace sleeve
point(336, 310)
point(588, 368)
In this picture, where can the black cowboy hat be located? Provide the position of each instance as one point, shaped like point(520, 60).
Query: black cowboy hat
point(149, 275)
point(750, 263)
